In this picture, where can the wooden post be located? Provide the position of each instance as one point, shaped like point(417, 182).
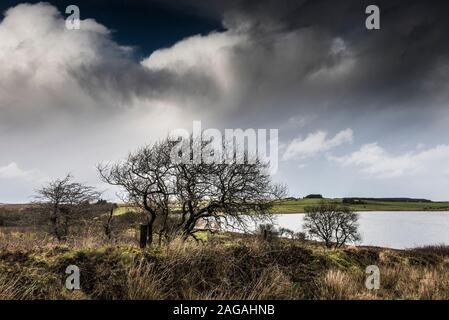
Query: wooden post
point(150, 234)
point(143, 235)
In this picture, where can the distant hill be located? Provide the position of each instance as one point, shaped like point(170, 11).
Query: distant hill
point(314, 196)
point(356, 199)
point(363, 204)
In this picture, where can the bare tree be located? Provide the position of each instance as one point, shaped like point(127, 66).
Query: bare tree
point(146, 176)
point(212, 195)
point(201, 196)
point(335, 225)
point(63, 199)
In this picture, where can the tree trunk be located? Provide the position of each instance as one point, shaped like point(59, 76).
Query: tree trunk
point(188, 227)
point(54, 222)
point(108, 224)
point(150, 228)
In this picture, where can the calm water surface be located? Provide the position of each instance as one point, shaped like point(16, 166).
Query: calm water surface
point(398, 230)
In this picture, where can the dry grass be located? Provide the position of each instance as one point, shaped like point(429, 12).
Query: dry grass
point(32, 266)
point(144, 282)
point(338, 285)
point(426, 283)
point(441, 250)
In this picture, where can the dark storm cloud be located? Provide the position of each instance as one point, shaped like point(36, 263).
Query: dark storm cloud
point(306, 57)
point(128, 80)
point(392, 64)
point(339, 17)
point(281, 58)
point(397, 65)
point(310, 68)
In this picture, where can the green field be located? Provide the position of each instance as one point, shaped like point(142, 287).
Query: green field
point(297, 206)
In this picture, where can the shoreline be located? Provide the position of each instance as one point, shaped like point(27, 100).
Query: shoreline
point(298, 205)
point(373, 211)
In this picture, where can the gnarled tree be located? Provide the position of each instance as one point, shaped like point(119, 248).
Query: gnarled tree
point(64, 199)
point(147, 178)
point(334, 225)
point(200, 196)
point(228, 194)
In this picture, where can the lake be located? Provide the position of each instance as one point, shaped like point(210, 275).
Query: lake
point(400, 230)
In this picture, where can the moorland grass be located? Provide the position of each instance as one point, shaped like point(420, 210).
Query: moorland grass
point(227, 266)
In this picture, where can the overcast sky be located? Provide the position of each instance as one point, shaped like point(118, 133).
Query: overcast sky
point(360, 112)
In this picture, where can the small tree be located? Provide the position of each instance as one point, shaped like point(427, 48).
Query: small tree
point(332, 224)
point(63, 199)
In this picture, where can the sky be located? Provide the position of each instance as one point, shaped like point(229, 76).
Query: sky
point(360, 113)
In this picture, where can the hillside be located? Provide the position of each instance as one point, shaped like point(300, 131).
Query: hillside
point(228, 267)
point(221, 266)
point(297, 206)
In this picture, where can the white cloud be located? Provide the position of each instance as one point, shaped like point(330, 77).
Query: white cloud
point(251, 72)
point(61, 92)
point(218, 75)
point(376, 162)
point(315, 143)
point(72, 98)
point(38, 60)
point(211, 54)
point(13, 171)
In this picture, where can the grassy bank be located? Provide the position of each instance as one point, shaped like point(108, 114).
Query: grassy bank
point(297, 206)
point(226, 267)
